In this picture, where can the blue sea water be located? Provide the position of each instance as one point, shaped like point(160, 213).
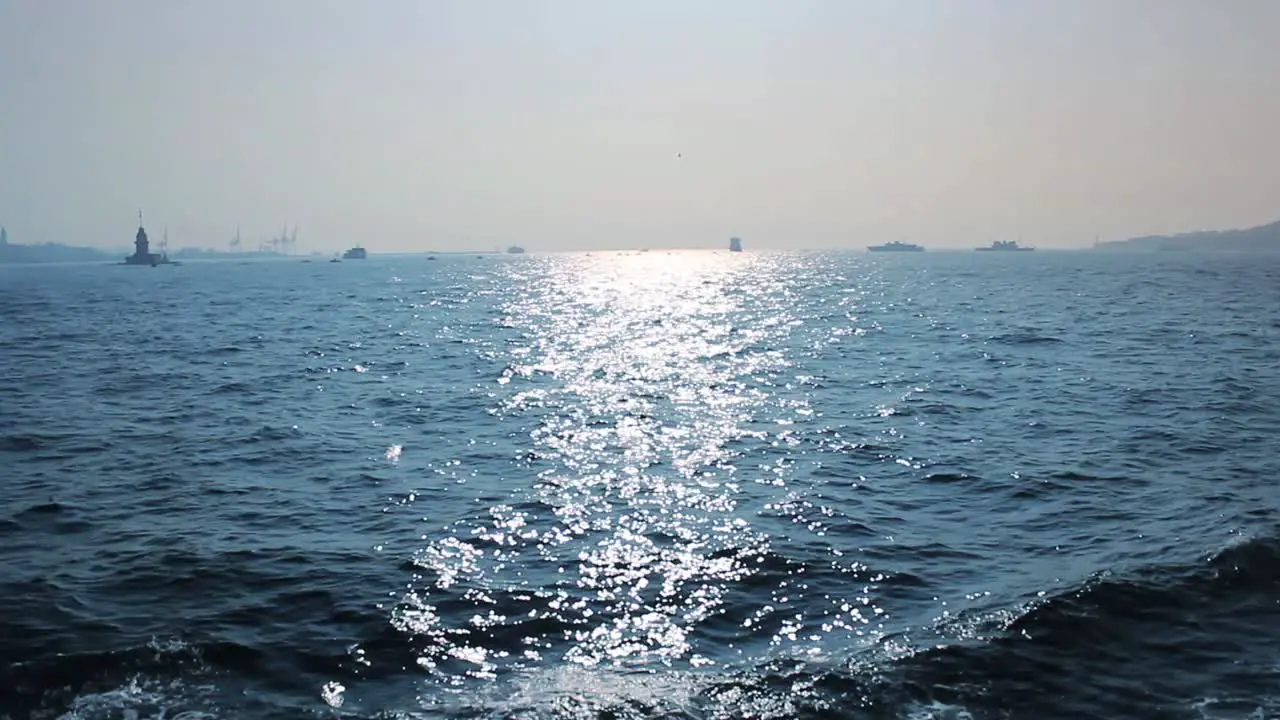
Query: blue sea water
point(642, 485)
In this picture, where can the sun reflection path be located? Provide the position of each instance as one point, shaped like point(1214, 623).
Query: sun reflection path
point(632, 548)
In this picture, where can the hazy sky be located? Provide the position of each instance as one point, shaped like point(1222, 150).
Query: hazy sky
point(419, 124)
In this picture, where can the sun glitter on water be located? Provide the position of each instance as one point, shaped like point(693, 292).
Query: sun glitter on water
point(633, 545)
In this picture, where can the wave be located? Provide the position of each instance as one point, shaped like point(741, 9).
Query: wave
point(1170, 642)
point(1146, 644)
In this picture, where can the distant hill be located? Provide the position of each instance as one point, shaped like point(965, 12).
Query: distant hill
point(1255, 239)
point(209, 254)
point(51, 252)
point(55, 252)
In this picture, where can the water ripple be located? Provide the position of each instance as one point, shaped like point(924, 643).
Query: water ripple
point(687, 484)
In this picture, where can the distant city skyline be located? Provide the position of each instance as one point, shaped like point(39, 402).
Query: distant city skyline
point(571, 124)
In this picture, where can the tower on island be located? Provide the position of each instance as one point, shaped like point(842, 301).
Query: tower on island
point(142, 254)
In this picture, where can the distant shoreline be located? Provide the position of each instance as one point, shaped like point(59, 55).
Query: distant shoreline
point(1260, 239)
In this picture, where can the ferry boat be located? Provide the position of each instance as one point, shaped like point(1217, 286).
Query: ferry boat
point(735, 244)
point(895, 246)
point(1004, 246)
point(355, 253)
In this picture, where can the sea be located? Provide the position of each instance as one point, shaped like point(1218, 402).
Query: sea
point(669, 485)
